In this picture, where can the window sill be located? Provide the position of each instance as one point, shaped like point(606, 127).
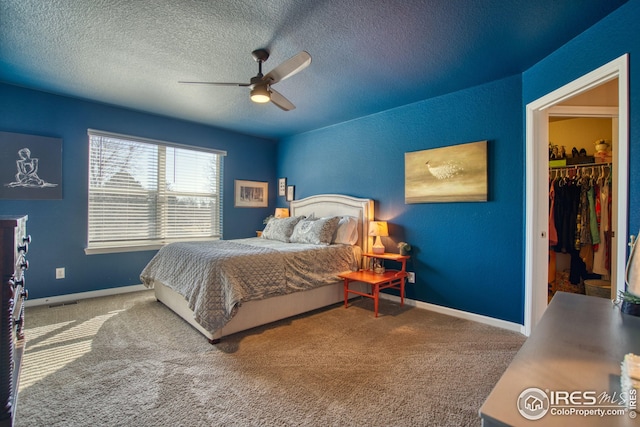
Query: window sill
point(118, 249)
point(97, 250)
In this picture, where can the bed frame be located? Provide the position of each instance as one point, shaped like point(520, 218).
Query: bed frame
point(260, 312)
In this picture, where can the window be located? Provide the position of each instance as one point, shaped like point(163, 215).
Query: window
point(145, 193)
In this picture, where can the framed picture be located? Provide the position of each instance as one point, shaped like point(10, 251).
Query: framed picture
point(282, 187)
point(251, 194)
point(290, 192)
point(457, 173)
point(30, 167)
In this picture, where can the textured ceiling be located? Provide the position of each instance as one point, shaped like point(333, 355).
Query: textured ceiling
point(368, 56)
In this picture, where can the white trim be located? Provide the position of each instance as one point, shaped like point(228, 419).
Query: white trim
point(114, 135)
point(62, 299)
point(118, 249)
point(577, 111)
point(107, 249)
point(498, 323)
point(537, 221)
point(503, 324)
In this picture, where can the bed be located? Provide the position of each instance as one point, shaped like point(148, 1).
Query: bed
point(255, 300)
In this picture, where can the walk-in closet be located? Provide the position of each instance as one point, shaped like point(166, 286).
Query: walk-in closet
point(582, 138)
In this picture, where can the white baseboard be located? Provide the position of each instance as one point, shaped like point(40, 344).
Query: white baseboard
point(62, 299)
point(458, 313)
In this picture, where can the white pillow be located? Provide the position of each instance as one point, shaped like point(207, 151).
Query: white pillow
point(347, 231)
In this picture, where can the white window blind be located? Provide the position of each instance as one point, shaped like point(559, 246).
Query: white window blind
point(145, 193)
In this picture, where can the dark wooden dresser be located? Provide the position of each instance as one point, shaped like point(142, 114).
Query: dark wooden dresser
point(14, 245)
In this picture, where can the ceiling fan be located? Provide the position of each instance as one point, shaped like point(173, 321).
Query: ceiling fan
point(260, 85)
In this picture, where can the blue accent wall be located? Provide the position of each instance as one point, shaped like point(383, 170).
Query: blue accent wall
point(468, 256)
point(59, 227)
point(609, 39)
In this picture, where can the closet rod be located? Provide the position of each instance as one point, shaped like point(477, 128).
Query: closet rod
point(583, 165)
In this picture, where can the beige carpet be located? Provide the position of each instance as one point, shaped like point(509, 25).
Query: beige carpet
point(129, 361)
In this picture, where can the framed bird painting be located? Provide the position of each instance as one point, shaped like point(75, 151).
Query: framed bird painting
point(457, 173)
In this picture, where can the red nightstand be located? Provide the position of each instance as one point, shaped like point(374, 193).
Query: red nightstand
point(390, 279)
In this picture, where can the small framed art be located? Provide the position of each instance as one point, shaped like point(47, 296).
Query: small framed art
point(282, 187)
point(290, 192)
point(251, 194)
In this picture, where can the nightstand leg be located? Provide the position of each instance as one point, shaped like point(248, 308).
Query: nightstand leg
point(346, 292)
point(376, 293)
point(402, 282)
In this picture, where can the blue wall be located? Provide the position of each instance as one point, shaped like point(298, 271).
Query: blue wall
point(609, 39)
point(469, 256)
point(58, 227)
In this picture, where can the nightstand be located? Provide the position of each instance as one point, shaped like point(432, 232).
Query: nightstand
point(390, 279)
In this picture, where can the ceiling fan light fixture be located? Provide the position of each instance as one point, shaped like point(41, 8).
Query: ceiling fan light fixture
point(260, 85)
point(260, 94)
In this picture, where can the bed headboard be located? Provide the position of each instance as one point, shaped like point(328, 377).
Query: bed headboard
point(324, 205)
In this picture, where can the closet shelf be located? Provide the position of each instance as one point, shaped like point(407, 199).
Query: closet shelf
point(582, 165)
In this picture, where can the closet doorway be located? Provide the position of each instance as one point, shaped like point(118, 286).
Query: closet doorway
point(538, 114)
point(580, 192)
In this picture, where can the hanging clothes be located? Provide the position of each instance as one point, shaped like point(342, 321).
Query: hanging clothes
point(579, 215)
point(583, 229)
point(593, 218)
point(553, 232)
point(567, 202)
point(600, 253)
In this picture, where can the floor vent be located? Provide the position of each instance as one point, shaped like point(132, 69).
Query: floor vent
point(63, 303)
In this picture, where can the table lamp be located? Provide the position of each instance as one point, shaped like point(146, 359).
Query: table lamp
point(282, 213)
point(378, 229)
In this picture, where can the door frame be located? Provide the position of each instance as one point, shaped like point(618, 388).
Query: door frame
point(537, 192)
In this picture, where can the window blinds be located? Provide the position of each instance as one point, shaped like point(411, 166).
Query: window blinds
point(146, 193)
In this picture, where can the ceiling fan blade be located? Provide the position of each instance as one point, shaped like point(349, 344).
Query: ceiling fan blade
point(288, 68)
point(280, 101)
point(217, 83)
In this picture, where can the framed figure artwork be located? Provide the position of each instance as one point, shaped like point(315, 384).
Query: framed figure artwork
point(30, 167)
point(290, 192)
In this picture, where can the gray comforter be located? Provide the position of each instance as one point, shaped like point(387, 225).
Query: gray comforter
point(216, 277)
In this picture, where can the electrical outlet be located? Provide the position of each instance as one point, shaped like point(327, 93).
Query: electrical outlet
point(411, 277)
point(60, 273)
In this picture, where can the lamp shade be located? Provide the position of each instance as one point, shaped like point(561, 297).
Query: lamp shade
point(282, 213)
point(378, 228)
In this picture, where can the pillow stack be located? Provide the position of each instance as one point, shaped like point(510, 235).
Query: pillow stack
point(316, 231)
